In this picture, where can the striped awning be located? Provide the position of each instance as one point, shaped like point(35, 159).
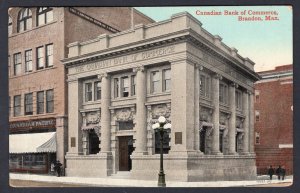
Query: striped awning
point(32, 143)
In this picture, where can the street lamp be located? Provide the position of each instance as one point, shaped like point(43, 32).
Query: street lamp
point(161, 125)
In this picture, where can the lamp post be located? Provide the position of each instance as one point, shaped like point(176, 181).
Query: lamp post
point(161, 125)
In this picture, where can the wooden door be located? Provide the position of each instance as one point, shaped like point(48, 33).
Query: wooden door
point(125, 151)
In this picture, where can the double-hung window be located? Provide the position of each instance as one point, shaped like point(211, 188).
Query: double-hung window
point(17, 64)
point(17, 105)
point(40, 102)
point(204, 86)
point(125, 86)
point(133, 85)
point(116, 87)
point(238, 99)
point(50, 101)
point(97, 90)
point(223, 93)
point(88, 92)
point(44, 15)
point(24, 20)
point(155, 80)
point(28, 104)
point(9, 25)
point(40, 57)
point(167, 80)
point(28, 61)
point(49, 55)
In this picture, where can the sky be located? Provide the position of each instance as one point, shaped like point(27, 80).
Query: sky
point(267, 43)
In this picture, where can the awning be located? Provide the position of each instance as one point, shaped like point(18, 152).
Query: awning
point(32, 143)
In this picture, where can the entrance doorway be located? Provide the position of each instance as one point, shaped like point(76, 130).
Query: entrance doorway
point(125, 150)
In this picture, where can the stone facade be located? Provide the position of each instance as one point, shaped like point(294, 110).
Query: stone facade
point(61, 27)
point(173, 68)
point(274, 119)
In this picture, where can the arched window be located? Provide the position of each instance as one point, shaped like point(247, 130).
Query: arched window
point(44, 15)
point(24, 20)
point(9, 25)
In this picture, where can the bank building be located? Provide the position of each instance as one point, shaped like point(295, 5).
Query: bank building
point(119, 84)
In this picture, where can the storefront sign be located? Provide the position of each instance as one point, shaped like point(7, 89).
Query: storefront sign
point(125, 59)
point(40, 123)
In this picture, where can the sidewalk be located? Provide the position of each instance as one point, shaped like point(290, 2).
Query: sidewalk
point(261, 180)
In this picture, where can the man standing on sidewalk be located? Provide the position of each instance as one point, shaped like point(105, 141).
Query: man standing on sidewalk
point(271, 172)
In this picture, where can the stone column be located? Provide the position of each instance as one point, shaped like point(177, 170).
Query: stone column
point(251, 124)
point(216, 113)
point(105, 113)
point(197, 106)
point(232, 120)
point(246, 123)
point(141, 111)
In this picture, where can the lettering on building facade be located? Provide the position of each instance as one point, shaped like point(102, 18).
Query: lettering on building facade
point(125, 59)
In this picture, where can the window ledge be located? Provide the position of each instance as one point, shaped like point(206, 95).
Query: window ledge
point(123, 98)
point(29, 73)
point(158, 94)
point(92, 102)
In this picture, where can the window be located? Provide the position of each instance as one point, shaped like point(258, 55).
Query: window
point(133, 85)
point(257, 138)
point(27, 160)
point(24, 20)
point(167, 80)
point(238, 99)
point(49, 55)
point(9, 25)
point(40, 58)
point(28, 104)
point(223, 93)
point(155, 79)
point(221, 133)
point(40, 102)
point(116, 87)
point(17, 105)
point(126, 125)
point(166, 141)
point(88, 92)
point(40, 160)
point(44, 15)
point(257, 96)
point(28, 61)
point(97, 88)
point(125, 86)
point(17, 64)
point(49, 101)
point(204, 86)
point(257, 115)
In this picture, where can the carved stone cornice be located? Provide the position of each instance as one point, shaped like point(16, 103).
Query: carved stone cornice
point(198, 67)
point(217, 76)
point(233, 84)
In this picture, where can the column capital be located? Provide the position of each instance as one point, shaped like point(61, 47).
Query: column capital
point(217, 76)
point(233, 84)
point(102, 75)
point(199, 67)
point(249, 92)
point(138, 68)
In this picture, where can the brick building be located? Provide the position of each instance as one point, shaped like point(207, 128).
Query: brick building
point(274, 119)
point(38, 39)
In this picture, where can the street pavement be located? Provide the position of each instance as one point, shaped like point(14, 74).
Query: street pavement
point(34, 180)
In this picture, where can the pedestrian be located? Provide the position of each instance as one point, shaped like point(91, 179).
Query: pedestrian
point(278, 172)
point(57, 168)
point(283, 171)
point(52, 167)
point(271, 172)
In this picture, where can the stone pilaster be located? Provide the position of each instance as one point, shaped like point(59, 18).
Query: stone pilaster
point(246, 123)
point(141, 111)
point(105, 113)
point(197, 106)
point(216, 113)
point(74, 117)
point(251, 123)
point(232, 119)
